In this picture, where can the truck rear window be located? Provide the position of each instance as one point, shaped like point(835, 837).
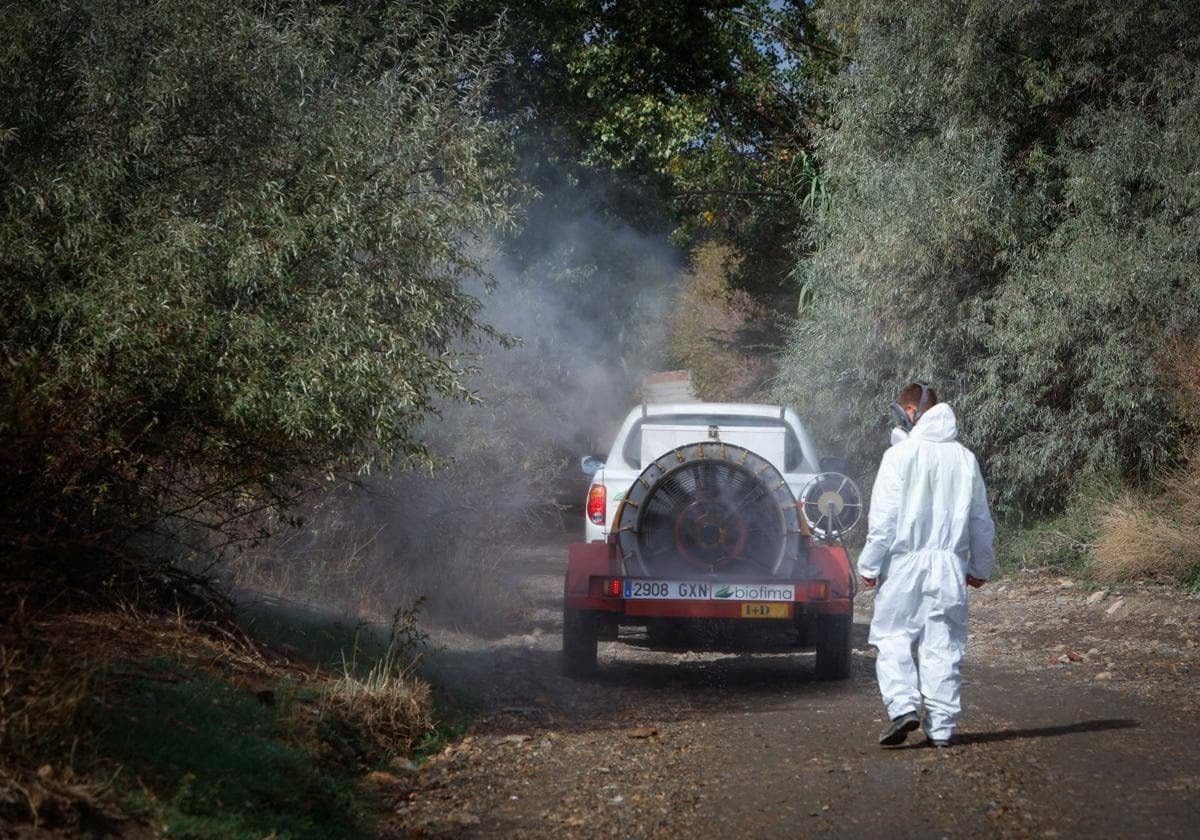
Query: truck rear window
point(631, 451)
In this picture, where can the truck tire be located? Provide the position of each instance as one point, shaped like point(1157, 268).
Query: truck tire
point(833, 647)
point(579, 635)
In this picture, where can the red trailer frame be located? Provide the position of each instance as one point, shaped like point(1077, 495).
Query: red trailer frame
point(594, 603)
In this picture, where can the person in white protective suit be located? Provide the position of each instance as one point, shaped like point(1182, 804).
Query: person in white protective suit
point(930, 537)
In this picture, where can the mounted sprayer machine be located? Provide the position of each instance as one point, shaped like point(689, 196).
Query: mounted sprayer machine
point(717, 519)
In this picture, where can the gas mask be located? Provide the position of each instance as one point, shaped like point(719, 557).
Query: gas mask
point(902, 419)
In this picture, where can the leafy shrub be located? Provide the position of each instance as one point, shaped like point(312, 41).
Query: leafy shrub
point(233, 242)
point(584, 301)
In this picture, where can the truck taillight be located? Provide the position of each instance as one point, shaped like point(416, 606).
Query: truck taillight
point(599, 587)
point(596, 504)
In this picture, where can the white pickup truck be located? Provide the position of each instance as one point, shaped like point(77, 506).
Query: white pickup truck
point(718, 516)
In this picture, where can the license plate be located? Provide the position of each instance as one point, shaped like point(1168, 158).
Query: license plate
point(766, 610)
point(698, 590)
point(670, 590)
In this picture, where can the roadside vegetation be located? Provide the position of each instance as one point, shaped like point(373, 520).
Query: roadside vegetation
point(1011, 217)
point(1154, 531)
point(235, 247)
point(233, 240)
point(711, 327)
point(114, 718)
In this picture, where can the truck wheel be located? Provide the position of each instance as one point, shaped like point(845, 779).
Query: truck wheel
point(833, 647)
point(579, 642)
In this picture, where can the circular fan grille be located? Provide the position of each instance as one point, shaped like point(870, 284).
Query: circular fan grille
point(707, 509)
point(832, 505)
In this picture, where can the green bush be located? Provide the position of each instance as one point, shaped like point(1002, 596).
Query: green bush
point(233, 240)
point(1063, 542)
point(585, 299)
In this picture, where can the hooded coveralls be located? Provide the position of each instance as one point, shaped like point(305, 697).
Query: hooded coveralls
point(929, 527)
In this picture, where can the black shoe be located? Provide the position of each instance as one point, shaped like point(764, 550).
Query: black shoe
point(896, 731)
point(938, 742)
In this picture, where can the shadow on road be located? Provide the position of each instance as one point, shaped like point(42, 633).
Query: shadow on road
point(1046, 731)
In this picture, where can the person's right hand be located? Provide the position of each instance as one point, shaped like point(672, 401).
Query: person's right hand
point(975, 582)
point(867, 582)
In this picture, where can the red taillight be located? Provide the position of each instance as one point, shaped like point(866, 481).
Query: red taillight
point(603, 587)
point(596, 504)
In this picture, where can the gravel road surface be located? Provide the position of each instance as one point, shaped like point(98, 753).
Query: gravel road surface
point(1082, 718)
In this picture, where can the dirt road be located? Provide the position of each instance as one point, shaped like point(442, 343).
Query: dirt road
point(1082, 719)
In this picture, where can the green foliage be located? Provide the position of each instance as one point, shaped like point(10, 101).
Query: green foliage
point(200, 759)
point(1062, 542)
point(706, 326)
point(1014, 219)
point(711, 105)
point(233, 237)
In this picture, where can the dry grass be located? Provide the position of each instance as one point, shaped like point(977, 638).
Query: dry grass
point(61, 673)
point(388, 705)
point(67, 682)
point(49, 663)
point(42, 689)
point(1137, 543)
point(39, 695)
point(338, 562)
point(331, 560)
point(40, 699)
point(1156, 536)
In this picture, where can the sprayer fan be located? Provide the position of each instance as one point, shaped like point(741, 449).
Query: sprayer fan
point(709, 509)
point(832, 505)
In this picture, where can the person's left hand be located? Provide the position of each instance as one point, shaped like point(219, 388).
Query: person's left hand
point(868, 582)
